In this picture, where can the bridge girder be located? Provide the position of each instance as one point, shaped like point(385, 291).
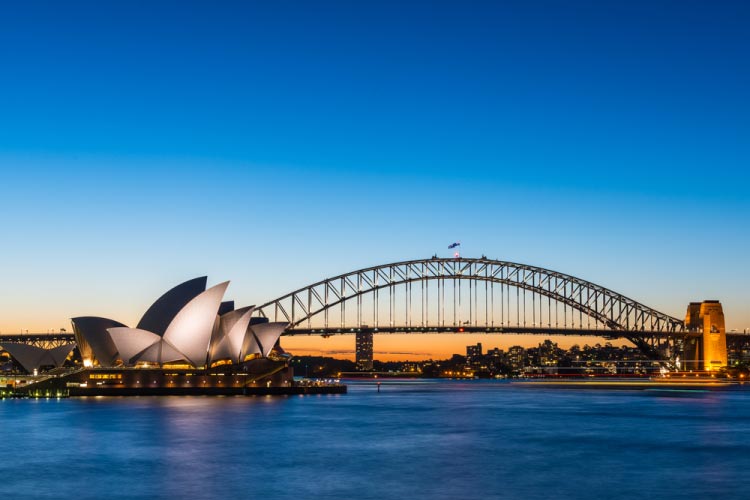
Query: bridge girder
point(43, 340)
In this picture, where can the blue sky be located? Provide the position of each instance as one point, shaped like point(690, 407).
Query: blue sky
point(276, 143)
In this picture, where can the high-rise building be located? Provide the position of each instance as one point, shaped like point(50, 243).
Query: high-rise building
point(364, 351)
point(517, 357)
point(473, 352)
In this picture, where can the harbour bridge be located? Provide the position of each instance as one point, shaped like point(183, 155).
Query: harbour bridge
point(465, 295)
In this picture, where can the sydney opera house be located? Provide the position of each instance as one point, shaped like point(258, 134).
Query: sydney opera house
point(189, 341)
point(188, 326)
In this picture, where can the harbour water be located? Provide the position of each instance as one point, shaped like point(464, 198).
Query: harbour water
point(415, 439)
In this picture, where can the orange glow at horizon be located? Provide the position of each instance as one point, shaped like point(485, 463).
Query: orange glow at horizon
point(394, 347)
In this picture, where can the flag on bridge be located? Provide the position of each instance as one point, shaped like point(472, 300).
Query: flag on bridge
point(454, 245)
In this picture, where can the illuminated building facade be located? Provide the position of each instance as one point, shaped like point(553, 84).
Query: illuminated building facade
point(189, 326)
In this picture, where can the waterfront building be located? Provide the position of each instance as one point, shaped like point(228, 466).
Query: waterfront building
point(188, 342)
point(364, 350)
point(187, 326)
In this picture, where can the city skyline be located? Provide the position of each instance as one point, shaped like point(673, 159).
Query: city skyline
point(279, 148)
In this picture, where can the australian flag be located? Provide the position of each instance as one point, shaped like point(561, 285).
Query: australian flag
point(454, 245)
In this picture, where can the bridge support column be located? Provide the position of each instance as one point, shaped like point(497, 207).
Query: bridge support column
point(708, 352)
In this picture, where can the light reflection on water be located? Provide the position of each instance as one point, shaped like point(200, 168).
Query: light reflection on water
point(417, 439)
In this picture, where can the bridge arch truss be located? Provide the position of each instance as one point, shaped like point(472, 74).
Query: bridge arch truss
point(471, 295)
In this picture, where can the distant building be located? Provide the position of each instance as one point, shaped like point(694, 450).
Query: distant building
point(517, 357)
point(548, 353)
point(364, 351)
point(473, 352)
point(495, 353)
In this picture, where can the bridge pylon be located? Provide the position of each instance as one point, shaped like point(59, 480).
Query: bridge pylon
point(709, 350)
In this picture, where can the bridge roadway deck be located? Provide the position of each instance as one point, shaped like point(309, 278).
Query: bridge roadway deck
point(508, 330)
point(37, 337)
point(523, 330)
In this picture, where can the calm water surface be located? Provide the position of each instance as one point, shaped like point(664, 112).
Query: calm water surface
point(453, 440)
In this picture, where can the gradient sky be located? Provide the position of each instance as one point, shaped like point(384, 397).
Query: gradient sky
point(278, 143)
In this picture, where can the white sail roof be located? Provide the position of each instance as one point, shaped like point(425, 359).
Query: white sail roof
point(161, 352)
point(232, 331)
point(185, 327)
point(267, 335)
point(250, 345)
point(190, 330)
point(32, 357)
point(131, 342)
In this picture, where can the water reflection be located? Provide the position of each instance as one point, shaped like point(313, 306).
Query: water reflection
point(418, 439)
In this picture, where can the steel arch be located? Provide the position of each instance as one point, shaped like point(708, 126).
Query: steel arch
point(618, 312)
